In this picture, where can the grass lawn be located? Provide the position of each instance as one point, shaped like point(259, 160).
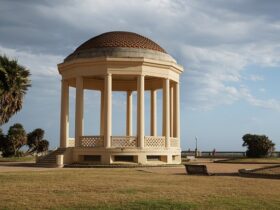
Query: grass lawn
point(17, 159)
point(133, 189)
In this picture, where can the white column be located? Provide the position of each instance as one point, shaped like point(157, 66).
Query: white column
point(166, 112)
point(79, 119)
point(177, 111)
point(153, 113)
point(64, 114)
point(171, 110)
point(102, 113)
point(129, 113)
point(108, 110)
point(140, 110)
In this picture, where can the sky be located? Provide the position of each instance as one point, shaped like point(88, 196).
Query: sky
point(230, 51)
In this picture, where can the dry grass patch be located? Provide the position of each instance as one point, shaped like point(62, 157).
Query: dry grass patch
point(132, 189)
point(17, 159)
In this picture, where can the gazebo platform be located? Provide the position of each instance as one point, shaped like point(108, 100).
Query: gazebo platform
point(131, 63)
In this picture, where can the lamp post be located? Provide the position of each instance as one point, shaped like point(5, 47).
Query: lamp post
point(196, 151)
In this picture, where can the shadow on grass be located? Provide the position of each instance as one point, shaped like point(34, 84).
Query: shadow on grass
point(17, 164)
point(262, 172)
point(212, 174)
point(143, 204)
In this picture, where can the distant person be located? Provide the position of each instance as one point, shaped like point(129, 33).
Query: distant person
point(214, 152)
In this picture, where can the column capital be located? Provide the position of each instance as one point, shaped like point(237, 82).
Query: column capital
point(65, 82)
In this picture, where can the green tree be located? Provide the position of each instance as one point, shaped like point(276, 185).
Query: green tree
point(5, 146)
point(257, 145)
point(14, 83)
point(2, 140)
point(35, 141)
point(1, 135)
point(43, 146)
point(16, 137)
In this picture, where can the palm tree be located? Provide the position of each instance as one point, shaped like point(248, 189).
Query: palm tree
point(16, 137)
point(14, 82)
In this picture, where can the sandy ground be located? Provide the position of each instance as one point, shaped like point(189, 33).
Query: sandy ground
point(216, 168)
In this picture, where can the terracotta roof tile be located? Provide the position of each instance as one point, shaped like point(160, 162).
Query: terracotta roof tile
point(120, 39)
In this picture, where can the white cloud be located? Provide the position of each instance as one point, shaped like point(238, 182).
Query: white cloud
point(256, 78)
point(215, 42)
point(263, 103)
point(40, 65)
point(216, 73)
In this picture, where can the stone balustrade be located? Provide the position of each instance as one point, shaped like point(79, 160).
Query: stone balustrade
point(71, 142)
point(123, 141)
point(174, 142)
point(154, 141)
point(92, 141)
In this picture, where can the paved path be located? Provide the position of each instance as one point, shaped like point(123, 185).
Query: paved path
point(217, 168)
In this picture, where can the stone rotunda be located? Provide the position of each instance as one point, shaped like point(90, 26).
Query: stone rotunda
point(129, 62)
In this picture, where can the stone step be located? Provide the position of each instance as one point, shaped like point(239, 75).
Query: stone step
point(50, 159)
point(47, 162)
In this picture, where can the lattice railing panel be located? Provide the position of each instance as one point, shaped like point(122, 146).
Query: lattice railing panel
point(71, 142)
point(124, 141)
point(91, 141)
point(174, 142)
point(155, 141)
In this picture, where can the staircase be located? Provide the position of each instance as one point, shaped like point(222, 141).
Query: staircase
point(50, 159)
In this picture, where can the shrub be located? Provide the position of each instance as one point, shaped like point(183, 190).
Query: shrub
point(257, 145)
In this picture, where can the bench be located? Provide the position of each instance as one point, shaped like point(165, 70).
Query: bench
point(197, 170)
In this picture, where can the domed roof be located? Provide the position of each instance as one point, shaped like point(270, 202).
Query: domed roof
point(120, 44)
point(120, 39)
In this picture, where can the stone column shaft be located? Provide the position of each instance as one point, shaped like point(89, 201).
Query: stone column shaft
point(166, 112)
point(129, 113)
point(79, 119)
point(64, 114)
point(140, 110)
point(177, 111)
point(153, 113)
point(171, 110)
point(102, 108)
point(108, 110)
